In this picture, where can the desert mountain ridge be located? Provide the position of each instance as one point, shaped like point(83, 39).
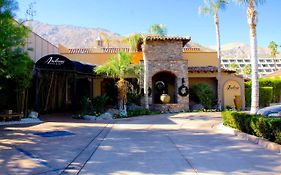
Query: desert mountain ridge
point(82, 37)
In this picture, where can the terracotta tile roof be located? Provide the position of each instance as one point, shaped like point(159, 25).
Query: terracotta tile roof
point(167, 38)
point(185, 49)
point(111, 50)
point(208, 69)
point(94, 50)
point(115, 50)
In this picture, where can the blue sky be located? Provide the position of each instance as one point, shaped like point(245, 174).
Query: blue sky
point(180, 16)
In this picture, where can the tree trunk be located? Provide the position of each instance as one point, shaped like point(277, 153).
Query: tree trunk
point(122, 90)
point(252, 20)
point(219, 62)
point(145, 80)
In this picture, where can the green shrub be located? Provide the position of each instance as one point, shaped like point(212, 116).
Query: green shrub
point(93, 105)
point(203, 94)
point(265, 96)
point(134, 98)
point(265, 127)
point(275, 83)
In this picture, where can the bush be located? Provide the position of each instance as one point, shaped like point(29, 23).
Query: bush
point(265, 127)
point(266, 95)
point(203, 94)
point(275, 83)
point(93, 105)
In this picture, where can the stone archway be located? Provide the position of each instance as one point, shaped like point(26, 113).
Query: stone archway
point(231, 89)
point(164, 82)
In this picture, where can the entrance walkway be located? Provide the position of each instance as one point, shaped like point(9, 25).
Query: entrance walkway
point(162, 144)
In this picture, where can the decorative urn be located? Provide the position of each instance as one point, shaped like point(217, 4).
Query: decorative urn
point(165, 98)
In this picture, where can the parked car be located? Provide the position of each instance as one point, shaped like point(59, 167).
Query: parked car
point(271, 111)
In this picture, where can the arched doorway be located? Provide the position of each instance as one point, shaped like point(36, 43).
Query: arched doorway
point(231, 90)
point(164, 82)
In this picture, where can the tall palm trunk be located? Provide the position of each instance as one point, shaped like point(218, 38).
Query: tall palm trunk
point(122, 85)
point(216, 18)
point(252, 21)
point(145, 79)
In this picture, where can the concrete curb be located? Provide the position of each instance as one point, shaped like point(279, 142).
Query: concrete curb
point(254, 139)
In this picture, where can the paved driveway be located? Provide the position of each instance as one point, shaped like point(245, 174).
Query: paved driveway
point(179, 144)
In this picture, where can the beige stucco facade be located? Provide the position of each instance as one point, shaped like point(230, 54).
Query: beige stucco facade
point(37, 47)
point(190, 58)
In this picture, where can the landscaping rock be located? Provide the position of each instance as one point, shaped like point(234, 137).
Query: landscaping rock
point(89, 117)
point(33, 114)
point(197, 107)
point(105, 116)
point(113, 111)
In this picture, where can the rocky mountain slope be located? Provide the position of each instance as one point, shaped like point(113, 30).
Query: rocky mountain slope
point(241, 50)
point(81, 37)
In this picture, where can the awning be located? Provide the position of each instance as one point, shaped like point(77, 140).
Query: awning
point(56, 62)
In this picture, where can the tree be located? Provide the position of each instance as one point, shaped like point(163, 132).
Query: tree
point(246, 70)
point(133, 41)
point(158, 29)
point(273, 52)
point(212, 7)
point(104, 36)
point(252, 17)
point(15, 65)
point(120, 67)
point(234, 67)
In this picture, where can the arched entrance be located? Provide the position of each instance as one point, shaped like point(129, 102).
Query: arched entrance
point(231, 90)
point(164, 82)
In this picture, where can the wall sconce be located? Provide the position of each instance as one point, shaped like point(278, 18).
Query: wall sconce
point(182, 81)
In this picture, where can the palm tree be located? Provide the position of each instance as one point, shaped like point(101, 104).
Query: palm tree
point(234, 67)
point(104, 36)
point(212, 7)
point(273, 52)
point(158, 29)
point(133, 41)
point(252, 16)
point(246, 70)
point(120, 67)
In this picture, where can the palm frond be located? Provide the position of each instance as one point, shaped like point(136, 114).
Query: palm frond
point(246, 2)
point(119, 66)
point(213, 6)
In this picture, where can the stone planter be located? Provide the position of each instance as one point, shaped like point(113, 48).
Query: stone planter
point(165, 98)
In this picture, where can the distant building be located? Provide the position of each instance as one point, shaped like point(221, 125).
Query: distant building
point(265, 65)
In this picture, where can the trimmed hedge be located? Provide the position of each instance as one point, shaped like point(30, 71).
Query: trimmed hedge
point(270, 82)
point(266, 95)
point(258, 125)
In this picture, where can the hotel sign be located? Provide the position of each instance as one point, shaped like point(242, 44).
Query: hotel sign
point(54, 61)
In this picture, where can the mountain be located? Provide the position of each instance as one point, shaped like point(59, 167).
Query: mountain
point(242, 50)
point(81, 37)
point(69, 36)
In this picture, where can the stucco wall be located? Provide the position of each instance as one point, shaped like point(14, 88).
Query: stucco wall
point(39, 47)
point(199, 58)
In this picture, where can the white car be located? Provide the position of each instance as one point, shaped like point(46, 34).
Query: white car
point(271, 111)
